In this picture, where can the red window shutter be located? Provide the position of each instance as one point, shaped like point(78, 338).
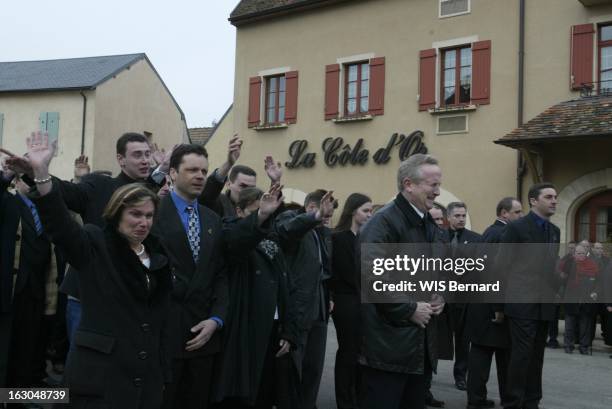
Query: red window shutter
point(581, 55)
point(481, 72)
point(377, 86)
point(427, 79)
point(291, 96)
point(332, 90)
point(254, 101)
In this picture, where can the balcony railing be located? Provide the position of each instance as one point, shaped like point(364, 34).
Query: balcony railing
point(590, 89)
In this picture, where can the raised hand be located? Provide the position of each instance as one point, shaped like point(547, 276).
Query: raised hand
point(40, 153)
point(233, 150)
point(81, 166)
point(326, 209)
point(17, 164)
point(273, 169)
point(269, 202)
point(165, 163)
point(157, 154)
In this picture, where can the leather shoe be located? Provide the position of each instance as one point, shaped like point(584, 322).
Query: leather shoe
point(433, 402)
point(487, 403)
point(569, 350)
point(460, 384)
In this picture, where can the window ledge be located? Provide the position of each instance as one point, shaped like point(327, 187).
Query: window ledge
point(367, 117)
point(458, 108)
point(265, 127)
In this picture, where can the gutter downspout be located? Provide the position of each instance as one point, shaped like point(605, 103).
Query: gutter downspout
point(520, 160)
point(84, 121)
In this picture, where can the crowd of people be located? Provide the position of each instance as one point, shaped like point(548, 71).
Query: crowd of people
point(158, 289)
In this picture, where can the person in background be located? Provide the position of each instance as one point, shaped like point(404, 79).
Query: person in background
point(459, 235)
point(553, 328)
point(581, 274)
point(257, 369)
point(486, 328)
point(344, 285)
point(306, 242)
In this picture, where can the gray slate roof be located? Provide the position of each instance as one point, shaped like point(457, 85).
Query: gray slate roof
point(252, 10)
point(72, 73)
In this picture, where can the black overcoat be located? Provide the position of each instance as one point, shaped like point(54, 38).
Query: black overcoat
point(119, 354)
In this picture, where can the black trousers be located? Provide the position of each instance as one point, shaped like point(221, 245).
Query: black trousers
point(462, 343)
point(479, 369)
point(191, 383)
point(524, 387)
point(346, 372)
point(27, 359)
point(553, 327)
point(584, 321)
point(312, 356)
point(391, 390)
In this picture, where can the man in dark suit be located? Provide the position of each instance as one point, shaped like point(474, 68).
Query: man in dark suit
point(306, 241)
point(33, 259)
point(459, 236)
point(486, 328)
point(530, 276)
point(192, 237)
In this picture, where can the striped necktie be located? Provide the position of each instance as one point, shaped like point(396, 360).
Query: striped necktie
point(37, 222)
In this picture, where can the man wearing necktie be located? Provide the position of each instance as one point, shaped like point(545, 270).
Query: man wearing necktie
point(31, 259)
point(531, 276)
point(458, 237)
point(191, 236)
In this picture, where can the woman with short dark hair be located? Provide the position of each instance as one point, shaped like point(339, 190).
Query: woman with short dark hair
point(117, 360)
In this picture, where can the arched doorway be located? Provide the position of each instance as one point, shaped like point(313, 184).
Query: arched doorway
point(593, 220)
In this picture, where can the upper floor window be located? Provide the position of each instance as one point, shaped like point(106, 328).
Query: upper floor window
point(275, 99)
point(449, 8)
point(357, 89)
point(605, 58)
point(456, 76)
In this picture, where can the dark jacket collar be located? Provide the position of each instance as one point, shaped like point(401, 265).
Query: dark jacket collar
point(409, 212)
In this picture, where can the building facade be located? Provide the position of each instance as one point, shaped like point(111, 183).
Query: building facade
point(341, 91)
point(86, 104)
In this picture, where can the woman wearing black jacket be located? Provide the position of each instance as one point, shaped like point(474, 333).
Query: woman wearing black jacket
point(345, 284)
point(256, 369)
point(117, 360)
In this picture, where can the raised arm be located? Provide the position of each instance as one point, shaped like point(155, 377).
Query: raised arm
point(66, 233)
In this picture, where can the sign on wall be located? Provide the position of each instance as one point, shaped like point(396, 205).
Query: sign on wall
point(336, 152)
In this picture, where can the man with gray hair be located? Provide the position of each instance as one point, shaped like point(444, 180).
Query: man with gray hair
point(399, 339)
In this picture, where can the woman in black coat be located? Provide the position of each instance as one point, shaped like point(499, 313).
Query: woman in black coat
point(345, 284)
point(256, 368)
point(117, 360)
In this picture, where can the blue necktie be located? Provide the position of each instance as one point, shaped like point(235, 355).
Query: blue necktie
point(193, 232)
point(37, 222)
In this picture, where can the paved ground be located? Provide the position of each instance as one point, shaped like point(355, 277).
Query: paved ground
point(569, 381)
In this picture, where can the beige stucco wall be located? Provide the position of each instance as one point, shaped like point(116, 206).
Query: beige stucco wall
point(475, 170)
point(21, 116)
point(217, 144)
point(134, 101)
